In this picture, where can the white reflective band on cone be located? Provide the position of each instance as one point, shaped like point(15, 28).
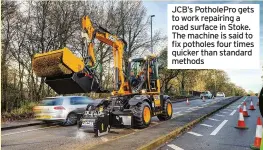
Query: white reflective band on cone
point(244, 108)
point(241, 118)
point(259, 131)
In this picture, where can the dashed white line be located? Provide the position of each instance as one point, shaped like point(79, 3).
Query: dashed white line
point(196, 134)
point(224, 112)
point(177, 112)
point(219, 128)
point(175, 147)
point(28, 130)
point(228, 109)
point(238, 106)
point(213, 119)
point(220, 115)
point(232, 113)
point(207, 125)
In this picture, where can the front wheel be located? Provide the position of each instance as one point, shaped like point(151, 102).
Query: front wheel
point(167, 111)
point(142, 115)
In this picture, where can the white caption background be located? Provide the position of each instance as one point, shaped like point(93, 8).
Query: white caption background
point(215, 62)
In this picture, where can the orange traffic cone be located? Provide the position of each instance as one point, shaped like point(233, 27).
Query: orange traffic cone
point(241, 122)
point(203, 99)
point(245, 113)
point(251, 106)
point(258, 137)
point(187, 102)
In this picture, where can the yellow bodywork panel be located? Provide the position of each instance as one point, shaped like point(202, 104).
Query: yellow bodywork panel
point(55, 63)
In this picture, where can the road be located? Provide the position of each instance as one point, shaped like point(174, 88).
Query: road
point(217, 132)
point(58, 137)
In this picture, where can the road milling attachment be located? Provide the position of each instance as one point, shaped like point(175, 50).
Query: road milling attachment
point(56, 63)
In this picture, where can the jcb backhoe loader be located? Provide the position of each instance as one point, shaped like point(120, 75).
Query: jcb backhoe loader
point(136, 96)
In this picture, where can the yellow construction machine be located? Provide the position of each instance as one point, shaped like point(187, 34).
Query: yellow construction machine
point(136, 97)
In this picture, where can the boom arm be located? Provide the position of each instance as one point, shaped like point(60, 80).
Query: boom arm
point(118, 46)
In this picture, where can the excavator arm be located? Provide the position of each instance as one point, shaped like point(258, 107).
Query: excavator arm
point(66, 73)
point(118, 47)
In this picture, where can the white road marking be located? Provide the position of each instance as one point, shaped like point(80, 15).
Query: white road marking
point(213, 119)
point(220, 115)
point(224, 112)
point(104, 139)
point(175, 147)
point(232, 113)
point(219, 128)
point(177, 112)
point(28, 130)
point(228, 109)
point(187, 111)
point(238, 106)
point(193, 108)
point(196, 134)
point(207, 125)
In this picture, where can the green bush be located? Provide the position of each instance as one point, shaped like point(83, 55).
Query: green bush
point(25, 111)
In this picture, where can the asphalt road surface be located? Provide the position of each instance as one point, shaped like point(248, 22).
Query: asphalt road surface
point(217, 132)
point(58, 137)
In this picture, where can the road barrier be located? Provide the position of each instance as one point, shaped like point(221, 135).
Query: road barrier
point(245, 113)
point(258, 136)
point(251, 106)
point(241, 122)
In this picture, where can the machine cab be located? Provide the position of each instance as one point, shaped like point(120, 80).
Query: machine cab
point(143, 75)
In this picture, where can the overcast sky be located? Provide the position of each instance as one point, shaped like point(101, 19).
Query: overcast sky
point(248, 79)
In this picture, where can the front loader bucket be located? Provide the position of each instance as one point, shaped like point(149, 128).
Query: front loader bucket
point(56, 63)
point(73, 83)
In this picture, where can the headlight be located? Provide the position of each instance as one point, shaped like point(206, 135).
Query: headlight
point(143, 91)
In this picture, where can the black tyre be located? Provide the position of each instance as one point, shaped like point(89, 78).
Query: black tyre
point(142, 115)
point(71, 119)
point(167, 111)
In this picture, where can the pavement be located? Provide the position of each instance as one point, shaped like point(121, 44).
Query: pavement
point(19, 124)
point(218, 131)
point(58, 137)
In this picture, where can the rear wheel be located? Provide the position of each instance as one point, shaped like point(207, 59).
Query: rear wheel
point(71, 119)
point(142, 115)
point(167, 111)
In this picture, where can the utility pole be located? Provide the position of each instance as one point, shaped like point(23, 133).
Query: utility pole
point(151, 34)
point(215, 80)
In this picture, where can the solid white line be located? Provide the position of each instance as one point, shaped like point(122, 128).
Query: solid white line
point(213, 119)
point(207, 125)
point(219, 128)
point(238, 106)
point(220, 115)
point(233, 112)
point(196, 134)
point(175, 147)
point(28, 130)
